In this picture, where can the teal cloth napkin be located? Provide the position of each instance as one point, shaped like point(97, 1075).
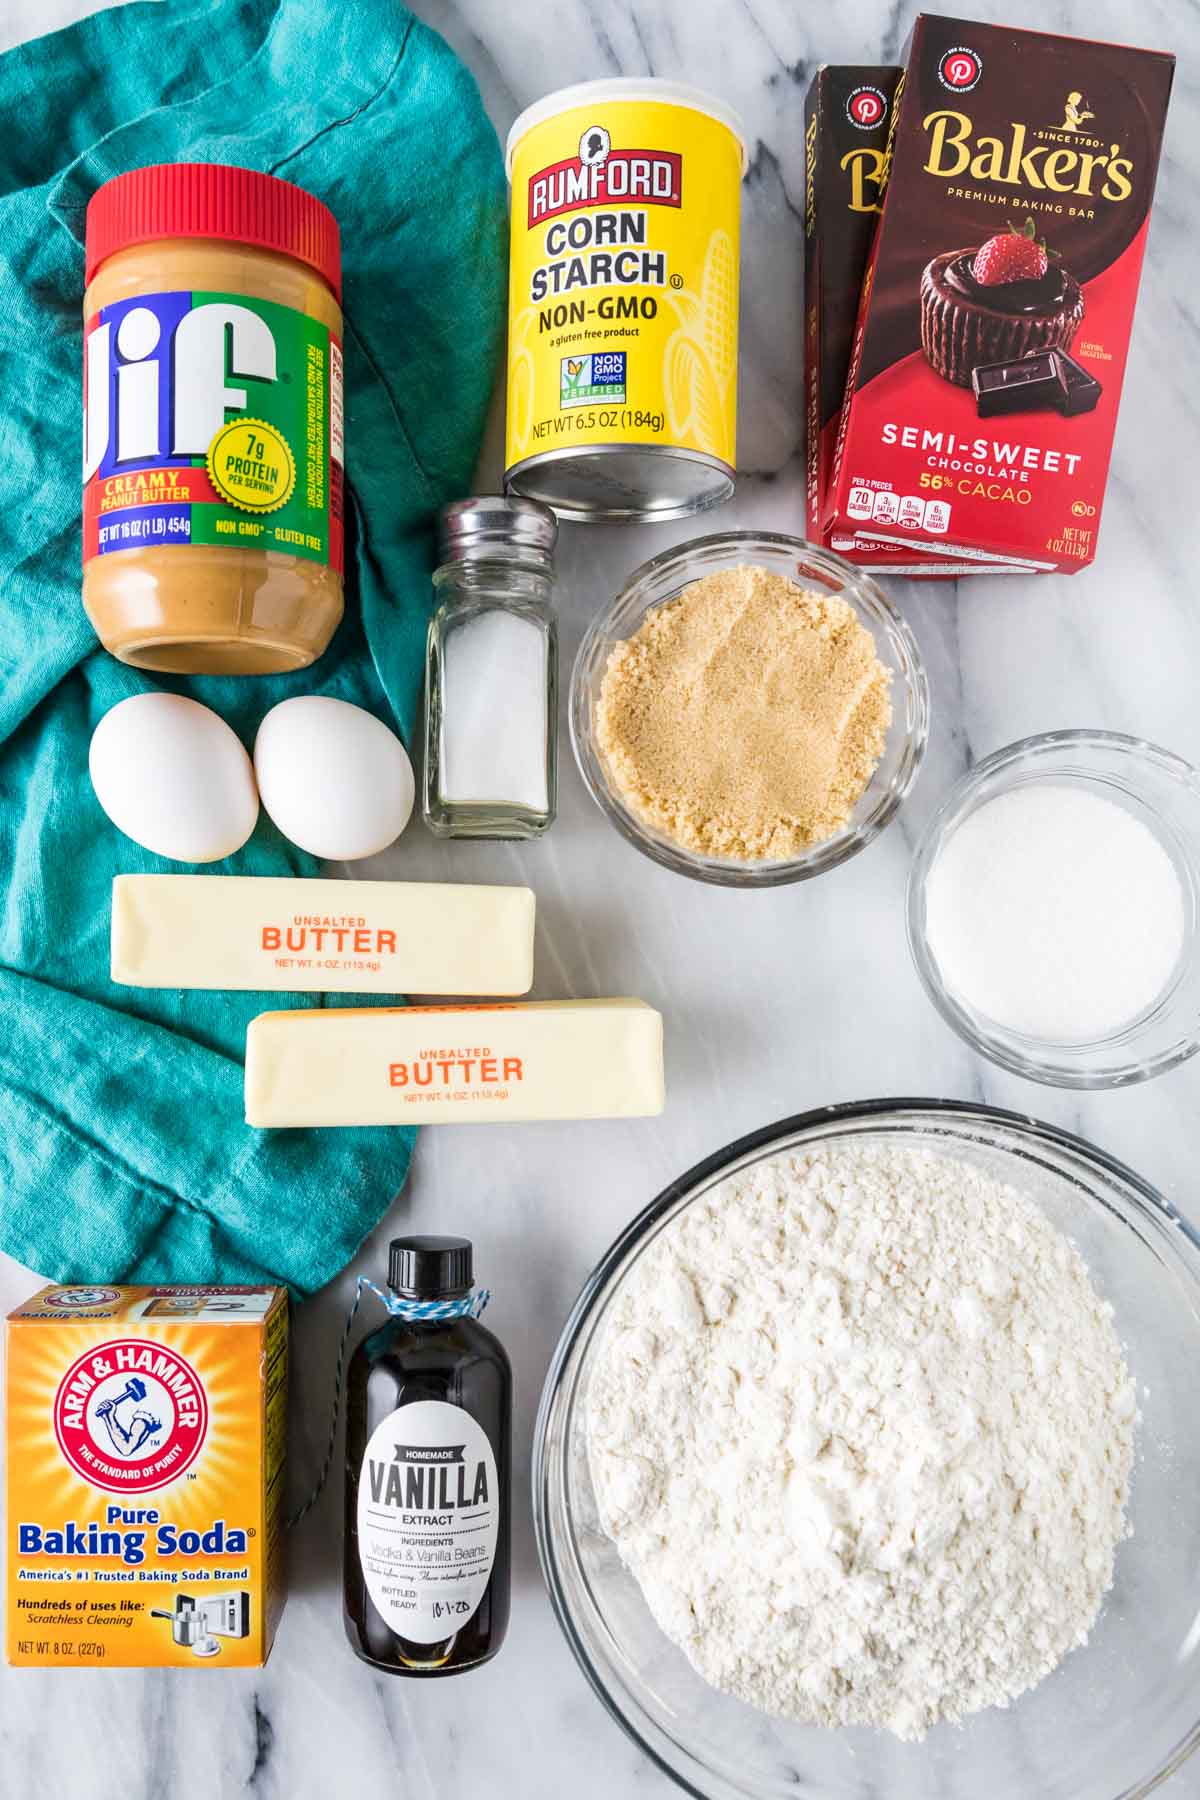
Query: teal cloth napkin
point(122, 1148)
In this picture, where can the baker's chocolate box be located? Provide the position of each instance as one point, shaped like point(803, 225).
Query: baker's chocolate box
point(999, 294)
point(846, 118)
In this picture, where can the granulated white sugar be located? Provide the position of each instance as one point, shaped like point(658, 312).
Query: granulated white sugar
point(1055, 913)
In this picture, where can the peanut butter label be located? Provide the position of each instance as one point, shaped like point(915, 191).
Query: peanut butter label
point(212, 419)
point(624, 281)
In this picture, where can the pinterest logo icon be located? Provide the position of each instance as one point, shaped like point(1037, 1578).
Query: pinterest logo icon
point(960, 69)
point(866, 107)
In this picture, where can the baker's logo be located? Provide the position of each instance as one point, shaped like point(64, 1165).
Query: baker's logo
point(130, 1415)
point(865, 167)
point(866, 107)
point(1026, 157)
point(960, 69)
point(71, 1299)
point(1075, 113)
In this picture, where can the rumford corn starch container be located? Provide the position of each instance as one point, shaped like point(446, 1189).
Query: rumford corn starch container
point(623, 300)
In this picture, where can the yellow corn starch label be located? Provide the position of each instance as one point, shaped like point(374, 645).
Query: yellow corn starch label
point(145, 1475)
point(623, 295)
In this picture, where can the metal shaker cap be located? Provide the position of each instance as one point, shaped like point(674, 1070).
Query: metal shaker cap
point(497, 528)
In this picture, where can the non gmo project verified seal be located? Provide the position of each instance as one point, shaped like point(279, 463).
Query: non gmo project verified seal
point(597, 377)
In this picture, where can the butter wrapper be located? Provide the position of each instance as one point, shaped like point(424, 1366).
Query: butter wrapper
point(422, 1065)
point(289, 934)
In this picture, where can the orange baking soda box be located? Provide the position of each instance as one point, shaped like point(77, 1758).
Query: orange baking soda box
point(145, 1431)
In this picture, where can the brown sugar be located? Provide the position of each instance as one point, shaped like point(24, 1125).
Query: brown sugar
point(745, 718)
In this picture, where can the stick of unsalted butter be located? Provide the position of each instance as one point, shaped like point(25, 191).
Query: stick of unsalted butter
point(421, 1065)
point(287, 932)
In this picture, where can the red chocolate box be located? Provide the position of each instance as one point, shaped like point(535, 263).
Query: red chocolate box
point(1022, 169)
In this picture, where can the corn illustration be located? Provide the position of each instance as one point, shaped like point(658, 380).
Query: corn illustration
point(695, 403)
point(680, 360)
point(687, 307)
point(700, 359)
point(718, 305)
point(520, 398)
point(521, 374)
point(521, 326)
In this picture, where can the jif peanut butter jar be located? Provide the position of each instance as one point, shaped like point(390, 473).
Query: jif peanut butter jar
point(213, 447)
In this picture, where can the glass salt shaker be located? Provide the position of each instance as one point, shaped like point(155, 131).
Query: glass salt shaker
point(491, 673)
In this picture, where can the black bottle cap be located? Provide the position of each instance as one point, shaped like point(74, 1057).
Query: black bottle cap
point(430, 1268)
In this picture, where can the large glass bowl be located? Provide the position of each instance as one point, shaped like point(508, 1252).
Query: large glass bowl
point(1118, 1715)
point(658, 581)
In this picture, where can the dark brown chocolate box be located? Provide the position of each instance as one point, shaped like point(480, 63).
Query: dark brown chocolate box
point(1021, 170)
point(846, 118)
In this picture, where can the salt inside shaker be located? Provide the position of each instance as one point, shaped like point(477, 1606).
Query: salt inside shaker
point(491, 673)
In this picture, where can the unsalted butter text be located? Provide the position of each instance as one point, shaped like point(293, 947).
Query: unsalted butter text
point(329, 934)
point(448, 1069)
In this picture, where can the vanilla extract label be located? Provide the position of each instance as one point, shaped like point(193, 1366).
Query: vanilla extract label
point(428, 1519)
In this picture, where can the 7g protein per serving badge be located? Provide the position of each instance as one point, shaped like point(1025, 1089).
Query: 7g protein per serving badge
point(623, 300)
point(212, 500)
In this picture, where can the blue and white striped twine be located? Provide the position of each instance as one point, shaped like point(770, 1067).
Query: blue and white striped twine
point(430, 1311)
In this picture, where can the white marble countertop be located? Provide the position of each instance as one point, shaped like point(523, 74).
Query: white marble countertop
point(773, 1002)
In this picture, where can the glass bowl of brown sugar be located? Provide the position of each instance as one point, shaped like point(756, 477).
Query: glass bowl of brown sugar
point(750, 710)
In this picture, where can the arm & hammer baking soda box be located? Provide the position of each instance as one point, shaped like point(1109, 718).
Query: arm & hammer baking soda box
point(145, 1476)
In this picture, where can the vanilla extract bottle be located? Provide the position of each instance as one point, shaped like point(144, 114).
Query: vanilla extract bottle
point(428, 1472)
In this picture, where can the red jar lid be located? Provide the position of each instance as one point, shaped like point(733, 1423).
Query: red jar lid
point(211, 200)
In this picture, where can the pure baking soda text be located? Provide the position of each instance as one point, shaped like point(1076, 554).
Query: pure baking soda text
point(145, 1457)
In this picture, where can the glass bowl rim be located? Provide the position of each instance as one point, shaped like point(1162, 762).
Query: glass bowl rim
point(821, 857)
point(1148, 1200)
point(958, 804)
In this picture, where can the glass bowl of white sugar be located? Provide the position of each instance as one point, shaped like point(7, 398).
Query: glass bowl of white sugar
point(867, 1464)
point(1053, 905)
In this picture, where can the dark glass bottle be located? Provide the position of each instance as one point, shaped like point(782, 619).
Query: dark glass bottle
point(428, 1470)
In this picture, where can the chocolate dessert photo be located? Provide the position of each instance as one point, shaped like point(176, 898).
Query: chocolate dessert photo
point(996, 303)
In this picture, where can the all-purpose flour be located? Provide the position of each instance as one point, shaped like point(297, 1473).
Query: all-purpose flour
point(861, 1428)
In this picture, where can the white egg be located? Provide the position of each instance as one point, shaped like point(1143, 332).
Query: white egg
point(173, 777)
point(333, 777)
